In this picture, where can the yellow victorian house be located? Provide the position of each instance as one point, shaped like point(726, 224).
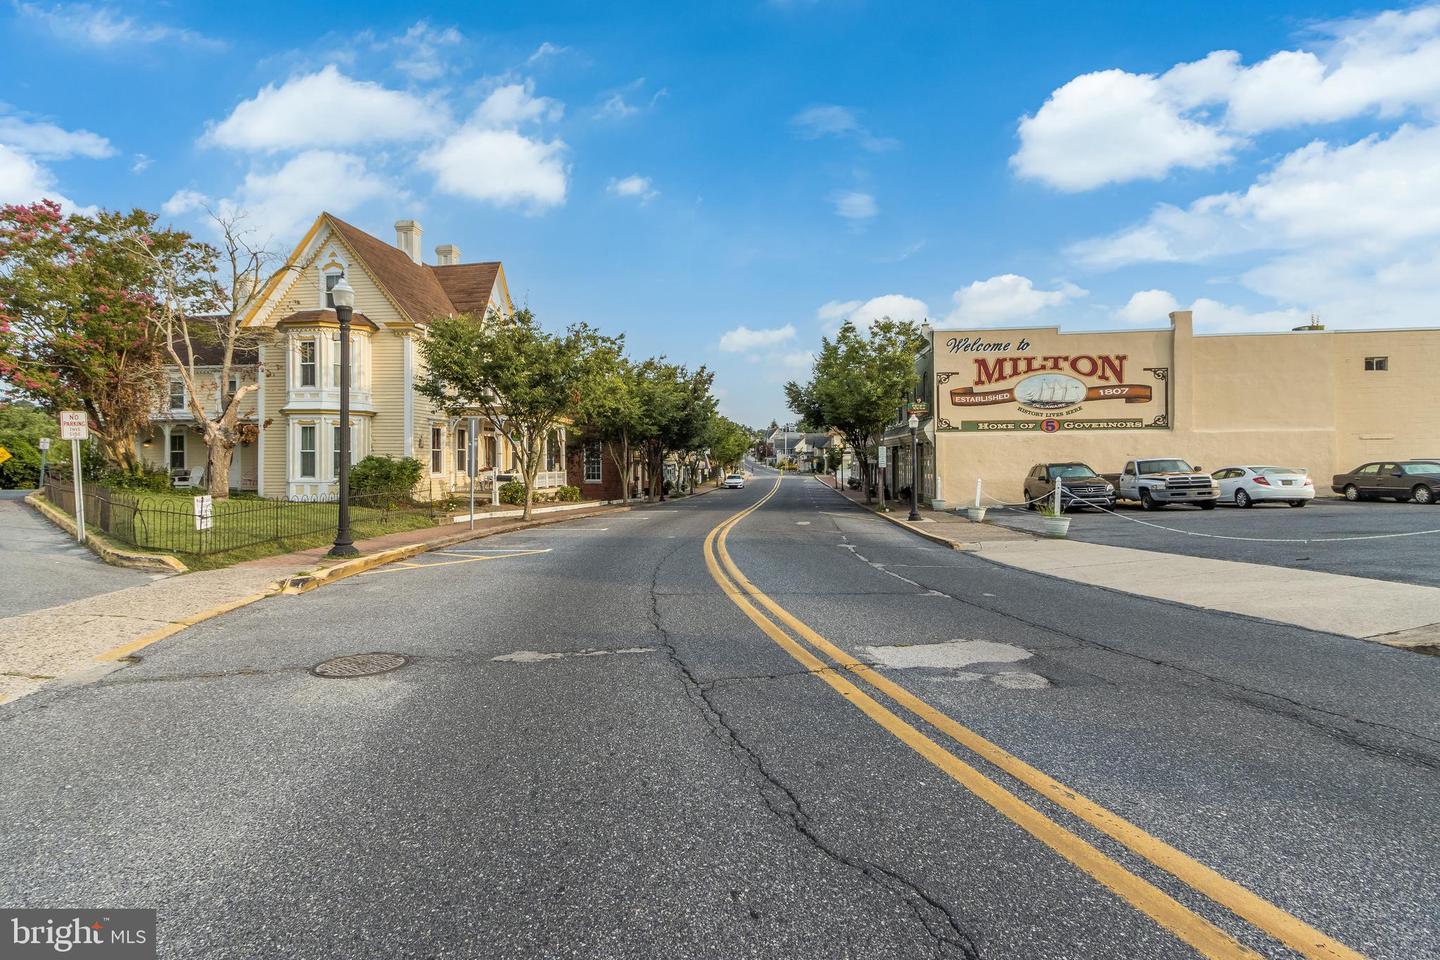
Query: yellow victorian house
point(296, 408)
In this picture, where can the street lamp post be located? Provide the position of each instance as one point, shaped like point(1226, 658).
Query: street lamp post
point(344, 299)
point(914, 468)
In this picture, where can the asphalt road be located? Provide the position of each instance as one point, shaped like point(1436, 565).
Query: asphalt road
point(1356, 539)
point(40, 566)
point(596, 753)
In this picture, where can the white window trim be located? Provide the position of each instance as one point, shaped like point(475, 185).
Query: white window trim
point(184, 451)
point(183, 395)
point(300, 383)
point(332, 260)
point(300, 428)
point(599, 462)
point(440, 458)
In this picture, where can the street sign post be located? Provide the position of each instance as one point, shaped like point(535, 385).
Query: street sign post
point(75, 426)
point(44, 451)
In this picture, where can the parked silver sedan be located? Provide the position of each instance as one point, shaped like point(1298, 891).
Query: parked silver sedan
point(735, 481)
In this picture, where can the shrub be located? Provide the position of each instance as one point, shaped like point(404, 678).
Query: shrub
point(21, 427)
point(387, 480)
point(568, 494)
point(513, 493)
point(142, 479)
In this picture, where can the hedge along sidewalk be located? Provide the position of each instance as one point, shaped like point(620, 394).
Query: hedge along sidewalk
point(80, 641)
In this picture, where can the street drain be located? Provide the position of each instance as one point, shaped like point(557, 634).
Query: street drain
point(359, 665)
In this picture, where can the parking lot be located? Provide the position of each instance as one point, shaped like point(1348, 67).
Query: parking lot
point(1410, 559)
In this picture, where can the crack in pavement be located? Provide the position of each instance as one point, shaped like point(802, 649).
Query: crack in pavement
point(1235, 692)
point(950, 936)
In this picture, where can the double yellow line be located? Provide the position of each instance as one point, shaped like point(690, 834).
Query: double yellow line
point(808, 648)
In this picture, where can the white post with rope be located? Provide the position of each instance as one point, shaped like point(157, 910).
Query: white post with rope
point(977, 491)
point(1059, 509)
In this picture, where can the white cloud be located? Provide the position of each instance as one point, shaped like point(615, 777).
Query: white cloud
point(1153, 308)
point(853, 205)
point(1372, 198)
point(544, 51)
point(864, 313)
point(279, 203)
point(1109, 127)
point(615, 107)
point(185, 201)
point(22, 180)
point(49, 142)
point(423, 50)
point(742, 338)
point(1113, 126)
point(324, 109)
point(1148, 306)
point(632, 186)
point(1006, 299)
point(500, 167)
point(95, 26)
point(831, 120)
point(798, 361)
point(514, 104)
point(140, 163)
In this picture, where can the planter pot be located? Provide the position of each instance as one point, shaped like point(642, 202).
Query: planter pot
point(976, 514)
point(1056, 527)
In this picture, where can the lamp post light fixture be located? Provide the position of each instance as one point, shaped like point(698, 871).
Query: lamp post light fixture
point(343, 297)
point(914, 468)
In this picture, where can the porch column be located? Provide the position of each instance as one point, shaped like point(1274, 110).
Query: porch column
point(165, 450)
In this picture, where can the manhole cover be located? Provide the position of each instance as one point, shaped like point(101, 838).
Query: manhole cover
point(359, 665)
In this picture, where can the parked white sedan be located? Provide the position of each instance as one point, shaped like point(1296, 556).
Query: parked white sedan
point(1247, 486)
point(735, 481)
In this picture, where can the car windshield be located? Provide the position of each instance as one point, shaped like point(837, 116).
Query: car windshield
point(734, 476)
point(1417, 468)
point(1164, 466)
point(1279, 471)
point(1071, 470)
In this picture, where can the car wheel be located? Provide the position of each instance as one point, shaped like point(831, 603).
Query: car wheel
point(1422, 494)
point(1352, 493)
point(1242, 499)
point(1147, 502)
point(1298, 503)
point(1030, 502)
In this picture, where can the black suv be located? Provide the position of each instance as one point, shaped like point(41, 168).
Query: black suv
point(1079, 486)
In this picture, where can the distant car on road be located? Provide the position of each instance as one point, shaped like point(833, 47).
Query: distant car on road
point(1079, 486)
point(1400, 480)
point(1247, 486)
point(735, 481)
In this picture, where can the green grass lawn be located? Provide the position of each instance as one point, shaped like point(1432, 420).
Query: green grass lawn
point(244, 528)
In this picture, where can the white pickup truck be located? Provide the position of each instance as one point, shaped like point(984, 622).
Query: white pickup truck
point(1155, 482)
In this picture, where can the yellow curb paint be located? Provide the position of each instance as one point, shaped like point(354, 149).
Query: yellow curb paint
point(1155, 903)
point(403, 567)
point(169, 630)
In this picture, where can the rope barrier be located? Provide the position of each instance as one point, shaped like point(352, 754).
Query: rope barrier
point(1220, 536)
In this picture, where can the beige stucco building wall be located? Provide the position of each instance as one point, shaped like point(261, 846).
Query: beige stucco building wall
point(1302, 398)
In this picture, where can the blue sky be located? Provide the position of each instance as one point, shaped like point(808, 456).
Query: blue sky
point(724, 182)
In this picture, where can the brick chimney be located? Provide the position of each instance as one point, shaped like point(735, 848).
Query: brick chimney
point(447, 255)
point(407, 238)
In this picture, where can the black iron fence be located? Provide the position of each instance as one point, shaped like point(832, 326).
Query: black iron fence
point(170, 523)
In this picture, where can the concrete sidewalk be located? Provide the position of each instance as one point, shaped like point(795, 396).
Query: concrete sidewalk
point(72, 638)
point(1399, 614)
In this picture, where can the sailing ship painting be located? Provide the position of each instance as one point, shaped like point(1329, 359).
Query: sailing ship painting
point(1049, 391)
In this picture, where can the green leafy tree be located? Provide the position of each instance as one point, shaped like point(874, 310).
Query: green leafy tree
point(728, 443)
point(610, 408)
point(76, 318)
point(524, 381)
point(22, 427)
point(857, 382)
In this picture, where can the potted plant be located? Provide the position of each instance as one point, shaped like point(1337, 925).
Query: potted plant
point(1053, 520)
point(976, 514)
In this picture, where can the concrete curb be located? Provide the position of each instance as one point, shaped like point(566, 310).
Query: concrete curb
point(102, 547)
point(304, 583)
point(961, 545)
